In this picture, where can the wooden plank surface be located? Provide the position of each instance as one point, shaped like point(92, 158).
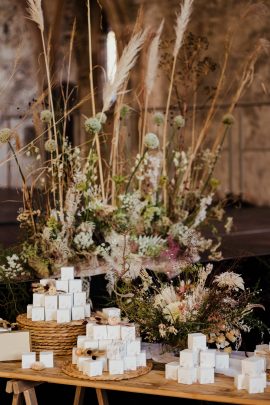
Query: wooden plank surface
point(152, 383)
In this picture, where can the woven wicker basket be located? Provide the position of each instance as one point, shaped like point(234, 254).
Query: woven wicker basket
point(50, 335)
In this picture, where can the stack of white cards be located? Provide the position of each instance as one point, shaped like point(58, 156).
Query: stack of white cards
point(68, 304)
point(253, 375)
point(122, 349)
point(197, 363)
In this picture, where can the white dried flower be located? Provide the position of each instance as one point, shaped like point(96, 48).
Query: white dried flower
point(158, 118)
point(179, 121)
point(92, 125)
point(5, 135)
point(50, 145)
point(151, 141)
point(230, 280)
point(46, 116)
point(102, 117)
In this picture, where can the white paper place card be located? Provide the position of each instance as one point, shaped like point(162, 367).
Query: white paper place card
point(171, 370)
point(77, 313)
point(116, 367)
point(46, 358)
point(197, 341)
point(112, 312)
point(67, 273)
point(75, 285)
point(141, 359)
point(38, 314)
point(79, 298)
point(51, 301)
point(87, 310)
point(206, 375)
point(130, 363)
point(13, 345)
point(62, 285)
point(29, 311)
point(133, 347)
point(128, 332)
point(63, 315)
point(50, 314)
point(187, 375)
point(114, 332)
point(65, 301)
point(28, 359)
point(38, 300)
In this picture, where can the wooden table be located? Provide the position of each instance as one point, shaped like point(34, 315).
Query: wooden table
point(152, 383)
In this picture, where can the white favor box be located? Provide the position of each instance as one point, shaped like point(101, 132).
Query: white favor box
point(38, 314)
point(87, 310)
point(80, 341)
point(46, 358)
point(222, 360)
point(75, 285)
point(171, 370)
point(50, 314)
point(28, 359)
point(262, 347)
point(80, 361)
point(96, 332)
point(93, 368)
point(240, 381)
point(77, 313)
point(197, 341)
point(253, 365)
point(130, 363)
point(104, 343)
point(63, 315)
point(208, 358)
point(113, 332)
point(38, 300)
point(255, 384)
point(112, 312)
point(67, 273)
point(47, 281)
point(206, 375)
point(104, 362)
point(51, 302)
point(79, 298)
point(188, 358)
point(65, 301)
point(61, 285)
point(90, 344)
point(187, 375)
point(141, 359)
point(116, 350)
point(128, 332)
point(133, 347)
point(29, 311)
point(74, 355)
point(116, 366)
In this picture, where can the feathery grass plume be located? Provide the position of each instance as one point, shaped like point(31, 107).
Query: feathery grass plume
point(126, 63)
point(153, 60)
point(35, 13)
point(182, 21)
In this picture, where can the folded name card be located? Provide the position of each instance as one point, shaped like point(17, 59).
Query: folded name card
point(13, 345)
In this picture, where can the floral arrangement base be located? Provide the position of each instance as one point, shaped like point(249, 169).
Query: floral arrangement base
point(50, 335)
point(71, 370)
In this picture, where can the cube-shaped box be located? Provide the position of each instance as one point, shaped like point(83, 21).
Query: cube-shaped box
point(93, 368)
point(222, 360)
point(80, 361)
point(63, 315)
point(141, 359)
point(74, 355)
point(255, 384)
point(208, 358)
point(116, 366)
point(187, 375)
point(128, 332)
point(51, 301)
point(38, 300)
point(206, 375)
point(47, 281)
point(79, 298)
point(114, 332)
point(75, 285)
point(90, 344)
point(96, 332)
point(104, 362)
point(104, 343)
point(67, 273)
point(197, 341)
point(130, 363)
point(80, 341)
point(87, 310)
point(188, 358)
point(240, 381)
point(171, 370)
point(29, 311)
point(65, 301)
point(112, 312)
point(46, 358)
point(28, 359)
point(116, 350)
point(50, 314)
point(133, 347)
point(38, 314)
point(61, 285)
point(77, 313)
point(253, 365)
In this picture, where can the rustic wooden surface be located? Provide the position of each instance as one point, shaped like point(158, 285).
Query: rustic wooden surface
point(152, 383)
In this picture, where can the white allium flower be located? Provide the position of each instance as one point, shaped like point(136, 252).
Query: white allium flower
point(5, 135)
point(158, 118)
point(50, 145)
point(179, 121)
point(83, 240)
point(150, 245)
point(102, 117)
point(151, 141)
point(230, 280)
point(46, 116)
point(92, 125)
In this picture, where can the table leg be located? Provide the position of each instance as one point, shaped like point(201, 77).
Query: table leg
point(22, 388)
point(102, 397)
point(17, 399)
point(30, 397)
point(79, 396)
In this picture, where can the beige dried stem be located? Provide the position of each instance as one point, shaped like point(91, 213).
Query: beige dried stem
point(182, 21)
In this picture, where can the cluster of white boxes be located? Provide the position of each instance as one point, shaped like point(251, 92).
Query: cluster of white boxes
point(68, 304)
point(197, 363)
point(46, 358)
point(253, 375)
point(121, 349)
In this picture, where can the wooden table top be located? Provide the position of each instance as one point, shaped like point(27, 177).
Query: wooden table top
point(152, 383)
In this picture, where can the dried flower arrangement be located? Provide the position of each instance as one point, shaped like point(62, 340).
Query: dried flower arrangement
point(128, 217)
